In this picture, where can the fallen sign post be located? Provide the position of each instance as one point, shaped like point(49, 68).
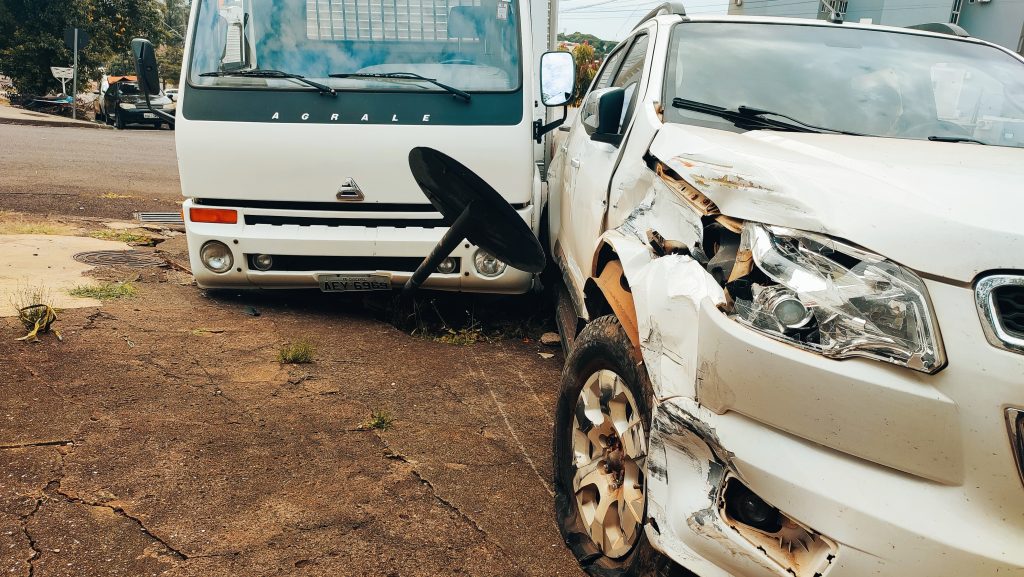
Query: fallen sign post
point(478, 214)
point(63, 74)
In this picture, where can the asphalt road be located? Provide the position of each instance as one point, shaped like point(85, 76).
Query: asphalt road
point(84, 172)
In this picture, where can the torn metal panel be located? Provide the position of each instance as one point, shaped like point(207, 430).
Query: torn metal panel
point(687, 473)
point(668, 292)
point(733, 182)
point(615, 289)
point(862, 190)
point(666, 289)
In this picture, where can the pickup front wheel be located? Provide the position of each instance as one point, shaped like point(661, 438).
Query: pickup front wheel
point(602, 423)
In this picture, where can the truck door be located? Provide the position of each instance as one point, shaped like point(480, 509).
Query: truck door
point(592, 163)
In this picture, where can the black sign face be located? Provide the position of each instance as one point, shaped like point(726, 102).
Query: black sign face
point(69, 38)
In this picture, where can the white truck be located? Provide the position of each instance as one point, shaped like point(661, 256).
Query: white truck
point(796, 253)
point(295, 122)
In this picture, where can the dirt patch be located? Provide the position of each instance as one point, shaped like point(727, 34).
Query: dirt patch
point(162, 436)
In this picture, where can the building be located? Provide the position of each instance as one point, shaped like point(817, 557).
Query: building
point(998, 21)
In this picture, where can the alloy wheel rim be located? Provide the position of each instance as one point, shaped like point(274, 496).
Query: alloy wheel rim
point(609, 451)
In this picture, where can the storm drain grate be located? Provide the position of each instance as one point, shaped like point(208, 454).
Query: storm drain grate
point(132, 258)
point(161, 217)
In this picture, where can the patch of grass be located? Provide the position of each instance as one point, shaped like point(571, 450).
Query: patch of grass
point(104, 291)
point(12, 223)
point(380, 420)
point(299, 352)
point(461, 337)
point(114, 195)
point(124, 236)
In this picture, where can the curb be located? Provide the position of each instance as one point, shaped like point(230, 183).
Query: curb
point(57, 123)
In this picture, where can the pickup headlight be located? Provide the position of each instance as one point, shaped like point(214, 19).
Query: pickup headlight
point(836, 299)
point(126, 105)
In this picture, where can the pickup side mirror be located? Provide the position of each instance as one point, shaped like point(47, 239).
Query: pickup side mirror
point(602, 113)
point(557, 78)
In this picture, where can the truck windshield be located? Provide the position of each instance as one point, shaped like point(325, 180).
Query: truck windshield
point(472, 45)
point(872, 82)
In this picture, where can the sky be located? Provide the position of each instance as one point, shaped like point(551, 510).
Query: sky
point(613, 19)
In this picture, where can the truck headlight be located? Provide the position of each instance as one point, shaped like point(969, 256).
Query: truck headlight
point(127, 105)
point(487, 264)
point(824, 295)
point(216, 256)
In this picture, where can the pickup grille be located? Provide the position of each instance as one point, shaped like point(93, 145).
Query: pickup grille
point(1000, 302)
point(1009, 301)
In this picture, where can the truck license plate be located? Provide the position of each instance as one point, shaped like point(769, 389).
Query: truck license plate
point(339, 283)
point(148, 115)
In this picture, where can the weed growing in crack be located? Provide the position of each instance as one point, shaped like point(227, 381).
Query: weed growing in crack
point(104, 291)
point(124, 236)
point(380, 420)
point(463, 337)
point(299, 352)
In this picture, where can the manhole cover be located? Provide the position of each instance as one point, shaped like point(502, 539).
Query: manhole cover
point(132, 258)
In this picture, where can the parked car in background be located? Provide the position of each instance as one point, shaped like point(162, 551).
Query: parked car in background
point(121, 103)
point(795, 251)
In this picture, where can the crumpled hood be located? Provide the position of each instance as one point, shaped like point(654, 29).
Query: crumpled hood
point(950, 210)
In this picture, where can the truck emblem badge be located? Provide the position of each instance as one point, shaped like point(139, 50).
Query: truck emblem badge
point(350, 191)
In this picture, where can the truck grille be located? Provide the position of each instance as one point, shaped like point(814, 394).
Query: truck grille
point(1000, 302)
point(296, 263)
point(1015, 422)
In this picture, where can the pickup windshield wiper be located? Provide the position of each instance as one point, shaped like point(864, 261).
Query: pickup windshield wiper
point(408, 76)
point(746, 116)
point(261, 73)
point(954, 139)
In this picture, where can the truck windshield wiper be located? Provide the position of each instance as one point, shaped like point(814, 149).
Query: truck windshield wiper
point(409, 76)
point(755, 117)
point(261, 73)
point(955, 139)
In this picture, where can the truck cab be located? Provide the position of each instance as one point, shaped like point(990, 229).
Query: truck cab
point(296, 120)
point(793, 303)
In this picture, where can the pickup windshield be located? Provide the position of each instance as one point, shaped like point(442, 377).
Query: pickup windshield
point(472, 45)
point(845, 79)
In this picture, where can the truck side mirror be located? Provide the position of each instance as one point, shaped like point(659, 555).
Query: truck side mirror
point(146, 68)
point(602, 113)
point(557, 78)
point(147, 71)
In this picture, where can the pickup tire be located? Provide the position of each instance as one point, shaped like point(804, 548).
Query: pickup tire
point(603, 351)
point(118, 120)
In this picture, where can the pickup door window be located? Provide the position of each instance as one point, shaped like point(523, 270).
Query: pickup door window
point(592, 163)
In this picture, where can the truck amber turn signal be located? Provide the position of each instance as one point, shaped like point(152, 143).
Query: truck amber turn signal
point(213, 215)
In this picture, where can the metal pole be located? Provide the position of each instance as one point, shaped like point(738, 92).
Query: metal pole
point(74, 83)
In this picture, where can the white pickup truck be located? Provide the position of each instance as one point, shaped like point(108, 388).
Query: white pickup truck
point(793, 255)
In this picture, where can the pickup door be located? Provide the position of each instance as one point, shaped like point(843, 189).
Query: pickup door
point(591, 163)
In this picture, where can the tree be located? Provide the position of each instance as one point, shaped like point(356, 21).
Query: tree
point(587, 64)
point(169, 57)
point(32, 37)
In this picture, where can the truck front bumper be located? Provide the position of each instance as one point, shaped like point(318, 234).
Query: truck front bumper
point(324, 250)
